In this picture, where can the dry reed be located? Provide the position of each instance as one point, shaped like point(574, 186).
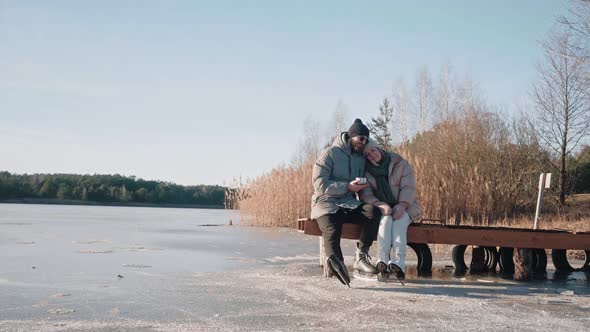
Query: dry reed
point(470, 170)
point(279, 197)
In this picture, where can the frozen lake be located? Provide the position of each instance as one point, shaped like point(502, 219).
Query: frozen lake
point(137, 269)
point(101, 241)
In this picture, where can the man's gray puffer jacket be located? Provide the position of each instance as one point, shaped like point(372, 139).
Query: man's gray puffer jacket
point(334, 169)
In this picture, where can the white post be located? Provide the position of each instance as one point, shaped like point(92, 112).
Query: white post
point(544, 182)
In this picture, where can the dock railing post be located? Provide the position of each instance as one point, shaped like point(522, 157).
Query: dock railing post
point(544, 182)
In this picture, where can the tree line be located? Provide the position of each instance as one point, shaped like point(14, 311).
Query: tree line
point(106, 189)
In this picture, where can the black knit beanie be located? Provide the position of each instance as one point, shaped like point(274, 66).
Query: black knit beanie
point(358, 129)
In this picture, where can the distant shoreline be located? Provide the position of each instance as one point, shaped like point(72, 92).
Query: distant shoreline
point(92, 203)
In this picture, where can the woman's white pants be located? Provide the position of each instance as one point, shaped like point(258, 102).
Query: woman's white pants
point(392, 239)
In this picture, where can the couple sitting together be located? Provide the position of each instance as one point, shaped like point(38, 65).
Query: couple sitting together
point(356, 181)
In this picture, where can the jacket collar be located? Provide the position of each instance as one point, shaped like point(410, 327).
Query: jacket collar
point(395, 158)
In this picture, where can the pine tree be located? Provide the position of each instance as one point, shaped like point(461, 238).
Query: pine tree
point(379, 126)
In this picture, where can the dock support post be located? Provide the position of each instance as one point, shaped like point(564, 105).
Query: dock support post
point(323, 256)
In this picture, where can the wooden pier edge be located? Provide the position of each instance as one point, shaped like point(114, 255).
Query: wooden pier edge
point(472, 235)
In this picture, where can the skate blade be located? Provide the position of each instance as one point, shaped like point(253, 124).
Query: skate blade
point(364, 277)
point(342, 276)
point(383, 277)
point(396, 270)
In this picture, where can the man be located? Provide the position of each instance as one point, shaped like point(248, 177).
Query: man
point(335, 201)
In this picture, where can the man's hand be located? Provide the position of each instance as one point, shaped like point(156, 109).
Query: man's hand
point(384, 207)
point(398, 211)
point(355, 187)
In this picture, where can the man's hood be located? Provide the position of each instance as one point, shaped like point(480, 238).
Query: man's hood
point(343, 142)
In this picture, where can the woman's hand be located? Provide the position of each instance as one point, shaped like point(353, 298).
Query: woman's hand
point(398, 211)
point(354, 186)
point(384, 207)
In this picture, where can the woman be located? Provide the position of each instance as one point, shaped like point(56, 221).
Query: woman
point(392, 188)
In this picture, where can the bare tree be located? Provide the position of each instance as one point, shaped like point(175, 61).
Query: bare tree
point(560, 97)
point(578, 23)
point(466, 99)
point(444, 95)
point(310, 144)
point(401, 108)
point(340, 119)
point(423, 93)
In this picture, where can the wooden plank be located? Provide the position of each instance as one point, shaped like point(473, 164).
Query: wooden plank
point(514, 238)
point(481, 236)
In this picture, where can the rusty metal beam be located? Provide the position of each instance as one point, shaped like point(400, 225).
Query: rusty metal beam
point(469, 235)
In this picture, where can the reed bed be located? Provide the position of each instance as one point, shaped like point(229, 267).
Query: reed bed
point(473, 170)
point(279, 197)
point(469, 171)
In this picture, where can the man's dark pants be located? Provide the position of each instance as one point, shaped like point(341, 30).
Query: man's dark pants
point(331, 225)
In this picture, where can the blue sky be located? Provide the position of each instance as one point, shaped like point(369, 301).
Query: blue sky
point(199, 92)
